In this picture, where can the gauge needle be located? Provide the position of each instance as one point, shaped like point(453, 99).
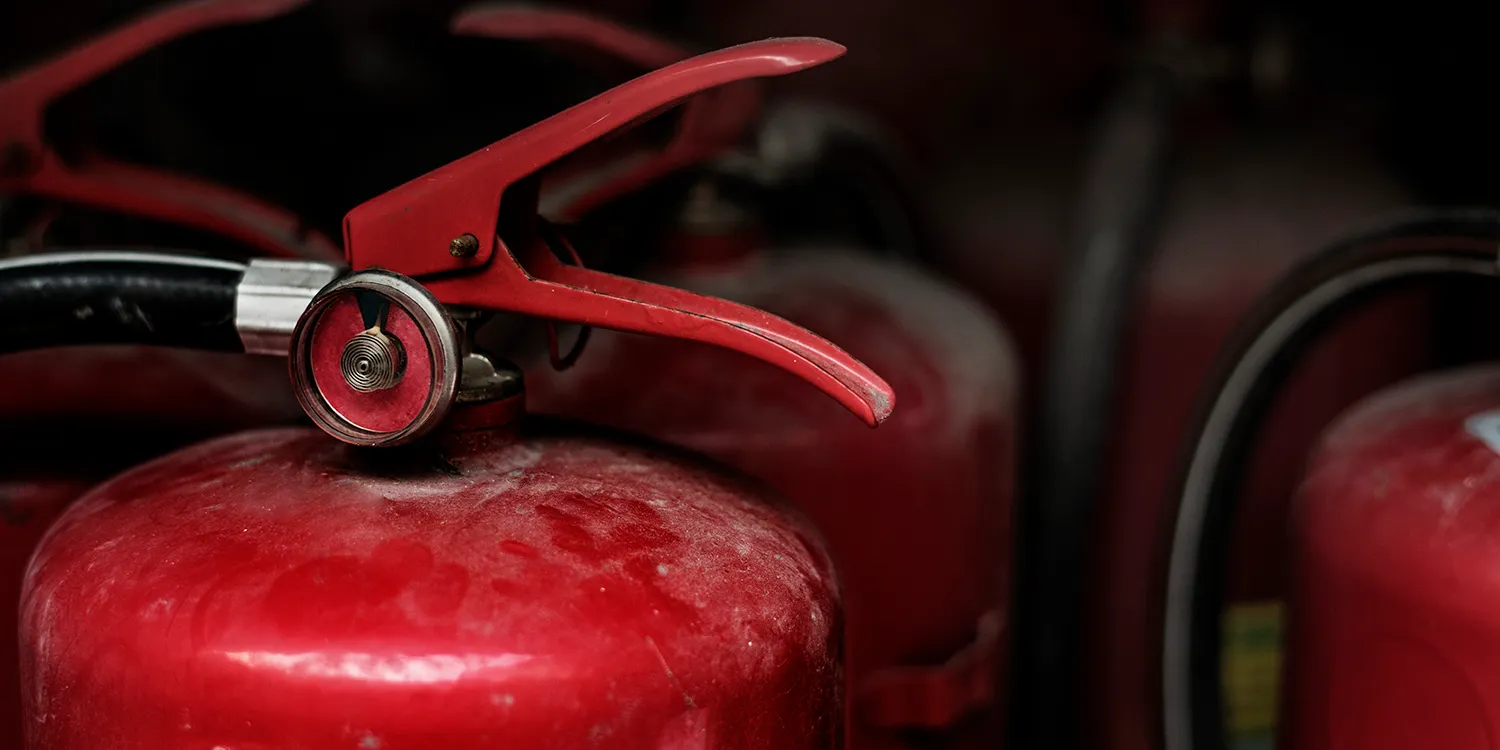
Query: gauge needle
point(373, 308)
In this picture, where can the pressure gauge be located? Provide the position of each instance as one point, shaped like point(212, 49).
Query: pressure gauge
point(375, 359)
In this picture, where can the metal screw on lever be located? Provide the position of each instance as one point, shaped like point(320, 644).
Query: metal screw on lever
point(463, 246)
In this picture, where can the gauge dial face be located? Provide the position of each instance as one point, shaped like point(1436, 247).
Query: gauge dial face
point(375, 359)
point(388, 409)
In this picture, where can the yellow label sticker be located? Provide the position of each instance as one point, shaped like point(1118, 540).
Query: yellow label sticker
point(1252, 670)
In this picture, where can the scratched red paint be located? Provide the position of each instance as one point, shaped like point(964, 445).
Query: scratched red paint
point(278, 589)
point(917, 512)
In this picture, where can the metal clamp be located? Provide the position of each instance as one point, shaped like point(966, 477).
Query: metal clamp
point(271, 299)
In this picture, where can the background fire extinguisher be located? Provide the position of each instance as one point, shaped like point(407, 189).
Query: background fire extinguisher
point(1382, 609)
point(1209, 175)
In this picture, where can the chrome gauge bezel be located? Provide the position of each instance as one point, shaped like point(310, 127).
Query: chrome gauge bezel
point(435, 325)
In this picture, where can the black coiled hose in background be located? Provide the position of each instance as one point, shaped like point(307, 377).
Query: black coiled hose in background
point(1284, 326)
point(1123, 192)
point(68, 299)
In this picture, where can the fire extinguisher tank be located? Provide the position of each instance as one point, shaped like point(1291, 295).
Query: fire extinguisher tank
point(275, 589)
point(1394, 618)
point(916, 513)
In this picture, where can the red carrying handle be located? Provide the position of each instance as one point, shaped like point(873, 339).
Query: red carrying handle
point(711, 123)
point(32, 167)
point(411, 229)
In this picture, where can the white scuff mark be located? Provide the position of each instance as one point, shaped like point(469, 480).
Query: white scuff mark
point(429, 669)
point(1486, 427)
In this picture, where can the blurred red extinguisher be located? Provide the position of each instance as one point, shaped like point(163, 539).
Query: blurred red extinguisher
point(1183, 217)
point(1389, 623)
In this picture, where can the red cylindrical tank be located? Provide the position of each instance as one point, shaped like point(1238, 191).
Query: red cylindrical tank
point(917, 513)
point(1242, 210)
point(1248, 215)
point(74, 416)
point(1393, 609)
point(278, 589)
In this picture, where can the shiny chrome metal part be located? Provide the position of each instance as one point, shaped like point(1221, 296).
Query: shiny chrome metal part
point(439, 344)
point(271, 299)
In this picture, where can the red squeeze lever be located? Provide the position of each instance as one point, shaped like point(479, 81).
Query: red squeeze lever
point(30, 166)
point(711, 123)
point(428, 229)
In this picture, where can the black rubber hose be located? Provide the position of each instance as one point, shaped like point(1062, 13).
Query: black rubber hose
point(1248, 377)
point(67, 299)
point(831, 175)
point(1122, 194)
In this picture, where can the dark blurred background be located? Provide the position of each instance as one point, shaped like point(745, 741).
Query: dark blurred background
point(995, 102)
point(340, 100)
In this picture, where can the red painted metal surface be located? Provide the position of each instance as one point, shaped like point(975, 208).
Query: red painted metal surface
point(28, 506)
point(32, 167)
point(916, 512)
point(516, 271)
point(1393, 612)
point(540, 23)
point(73, 416)
point(466, 195)
point(277, 589)
point(711, 123)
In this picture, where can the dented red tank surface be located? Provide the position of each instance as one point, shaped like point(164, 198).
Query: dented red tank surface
point(1393, 613)
point(278, 589)
point(917, 513)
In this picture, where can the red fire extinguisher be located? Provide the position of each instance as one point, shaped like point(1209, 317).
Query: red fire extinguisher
point(1184, 219)
point(453, 576)
point(1389, 623)
point(924, 657)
